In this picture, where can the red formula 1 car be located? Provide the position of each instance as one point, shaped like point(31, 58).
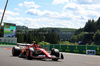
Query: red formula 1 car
point(35, 51)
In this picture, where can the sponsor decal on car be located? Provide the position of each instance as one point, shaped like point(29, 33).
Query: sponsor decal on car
point(41, 55)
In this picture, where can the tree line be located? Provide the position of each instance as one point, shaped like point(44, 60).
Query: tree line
point(89, 34)
point(37, 36)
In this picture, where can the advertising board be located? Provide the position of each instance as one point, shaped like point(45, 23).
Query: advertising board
point(9, 30)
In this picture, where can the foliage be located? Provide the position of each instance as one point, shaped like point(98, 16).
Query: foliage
point(54, 37)
point(38, 36)
point(43, 43)
point(79, 37)
point(1, 31)
point(92, 43)
point(59, 29)
point(66, 43)
point(74, 38)
point(78, 31)
point(89, 34)
point(96, 37)
point(90, 26)
point(64, 33)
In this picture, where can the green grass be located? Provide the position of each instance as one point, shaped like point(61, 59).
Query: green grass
point(61, 29)
point(49, 28)
point(66, 43)
point(66, 29)
point(43, 43)
point(7, 32)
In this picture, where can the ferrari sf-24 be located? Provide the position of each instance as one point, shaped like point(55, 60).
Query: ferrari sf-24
point(31, 51)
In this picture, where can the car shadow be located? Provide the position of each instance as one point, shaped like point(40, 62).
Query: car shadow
point(12, 56)
point(50, 60)
point(34, 59)
point(45, 60)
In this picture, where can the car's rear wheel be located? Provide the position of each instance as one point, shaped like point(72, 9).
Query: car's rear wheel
point(15, 52)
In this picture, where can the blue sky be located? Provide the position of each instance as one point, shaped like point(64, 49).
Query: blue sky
point(50, 13)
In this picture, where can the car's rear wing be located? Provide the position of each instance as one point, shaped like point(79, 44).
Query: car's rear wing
point(21, 44)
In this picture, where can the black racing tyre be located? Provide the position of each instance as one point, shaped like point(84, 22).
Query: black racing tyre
point(62, 57)
point(28, 55)
point(56, 53)
point(15, 52)
point(55, 59)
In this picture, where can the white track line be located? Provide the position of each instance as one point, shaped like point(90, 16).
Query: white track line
point(80, 55)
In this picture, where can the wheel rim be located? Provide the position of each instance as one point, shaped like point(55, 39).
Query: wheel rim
point(13, 51)
point(31, 53)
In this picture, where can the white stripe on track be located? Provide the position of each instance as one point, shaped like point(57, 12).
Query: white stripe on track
point(80, 54)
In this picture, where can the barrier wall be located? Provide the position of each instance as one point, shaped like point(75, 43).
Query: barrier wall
point(66, 48)
point(5, 43)
point(73, 48)
point(46, 46)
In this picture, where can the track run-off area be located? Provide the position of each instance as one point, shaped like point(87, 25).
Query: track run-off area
point(70, 59)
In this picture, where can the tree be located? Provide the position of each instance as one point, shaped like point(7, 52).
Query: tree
point(78, 31)
point(1, 31)
point(74, 38)
point(90, 26)
point(90, 29)
point(86, 34)
point(48, 37)
point(96, 37)
point(54, 37)
point(81, 36)
point(98, 24)
point(20, 38)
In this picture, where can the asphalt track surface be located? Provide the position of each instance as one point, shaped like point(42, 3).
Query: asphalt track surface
point(71, 59)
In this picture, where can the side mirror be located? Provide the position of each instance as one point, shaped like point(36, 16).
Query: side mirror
point(45, 48)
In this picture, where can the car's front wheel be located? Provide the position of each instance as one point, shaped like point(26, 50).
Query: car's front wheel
point(29, 53)
point(56, 53)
